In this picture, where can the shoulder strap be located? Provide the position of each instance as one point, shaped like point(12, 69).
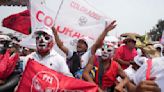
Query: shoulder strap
point(149, 66)
point(100, 71)
point(74, 63)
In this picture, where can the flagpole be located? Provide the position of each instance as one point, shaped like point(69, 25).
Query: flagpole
point(59, 10)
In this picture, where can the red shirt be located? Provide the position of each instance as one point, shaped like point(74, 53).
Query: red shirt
point(109, 76)
point(125, 54)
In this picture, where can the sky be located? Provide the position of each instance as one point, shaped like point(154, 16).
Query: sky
point(137, 16)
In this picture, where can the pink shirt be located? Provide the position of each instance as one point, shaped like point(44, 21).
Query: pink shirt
point(125, 54)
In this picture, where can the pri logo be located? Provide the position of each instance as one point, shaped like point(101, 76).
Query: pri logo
point(82, 20)
point(45, 82)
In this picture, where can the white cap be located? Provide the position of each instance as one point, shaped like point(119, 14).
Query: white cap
point(140, 60)
point(5, 38)
point(44, 29)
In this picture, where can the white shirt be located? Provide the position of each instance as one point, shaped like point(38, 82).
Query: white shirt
point(130, 72)
point(156, 71)
point(53, 61)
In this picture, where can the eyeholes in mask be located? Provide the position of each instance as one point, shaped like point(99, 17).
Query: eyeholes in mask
point(46, 37)
point(108, 50)
point(102, 49)
point(37, 38)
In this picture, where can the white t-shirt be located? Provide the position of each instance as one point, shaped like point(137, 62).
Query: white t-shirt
point(130, 72)
point(156, 71)
point(53, 61)
point(84, 57)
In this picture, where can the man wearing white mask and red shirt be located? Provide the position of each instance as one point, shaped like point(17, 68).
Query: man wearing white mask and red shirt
point(45, 53)
point(77, 60)
point(108, 70)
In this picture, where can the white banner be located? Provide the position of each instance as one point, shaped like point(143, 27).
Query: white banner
point(72, 18)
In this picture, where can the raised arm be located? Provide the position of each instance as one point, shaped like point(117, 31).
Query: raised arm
point(122, 62)
point(59, 42)
point(100, 39)
point(87, 69)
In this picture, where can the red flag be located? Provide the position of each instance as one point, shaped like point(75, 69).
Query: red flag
point(11, 64)
point(19, 22)
point(39, 78)
point(3, 64)
point(7, 64)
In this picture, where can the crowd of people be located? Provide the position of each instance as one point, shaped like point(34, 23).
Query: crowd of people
point(122, 68)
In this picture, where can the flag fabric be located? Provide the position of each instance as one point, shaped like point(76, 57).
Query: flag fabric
point(8, 64)
point(19, 22)
point(73, 19)
point(77, 19)
point(39, 78)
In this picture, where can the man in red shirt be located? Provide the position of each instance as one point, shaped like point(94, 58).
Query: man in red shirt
point(108, 70)
point(126, 53)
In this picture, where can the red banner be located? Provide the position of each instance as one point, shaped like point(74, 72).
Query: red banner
point(19, 22)
point(39, 78)
point(7, 64)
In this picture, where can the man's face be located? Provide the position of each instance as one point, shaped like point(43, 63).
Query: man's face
point(44, 42)
point(81, 46)
point(107, 51)
point(131, 44)
point(3, 46)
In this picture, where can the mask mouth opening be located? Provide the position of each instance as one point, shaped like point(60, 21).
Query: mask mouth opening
point(42, 45)
point(104, 55)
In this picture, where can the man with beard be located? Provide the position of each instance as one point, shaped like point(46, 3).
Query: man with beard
point(45, 54)
point(74, 58)
point(107, 72)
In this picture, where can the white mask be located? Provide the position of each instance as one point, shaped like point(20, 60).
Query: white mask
point(43, 41)
point(107, 51)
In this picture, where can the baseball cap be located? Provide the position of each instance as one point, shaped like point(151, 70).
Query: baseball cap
point(45, 29)
point(5, 38)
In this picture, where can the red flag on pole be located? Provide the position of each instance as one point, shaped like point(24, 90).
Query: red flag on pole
point(19, 22)
point(39, 78)
point(7, 64)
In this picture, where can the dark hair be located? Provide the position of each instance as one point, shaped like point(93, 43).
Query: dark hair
point(83, 42)
point(129, 40)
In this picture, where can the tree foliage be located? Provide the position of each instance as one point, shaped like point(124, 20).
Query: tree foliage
point(156, 32)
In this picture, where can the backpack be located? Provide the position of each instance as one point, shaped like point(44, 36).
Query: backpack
point(74, 63)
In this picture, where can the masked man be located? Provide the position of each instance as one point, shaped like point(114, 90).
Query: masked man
point(107, 72)
point(45, 55)
point(74, 58)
